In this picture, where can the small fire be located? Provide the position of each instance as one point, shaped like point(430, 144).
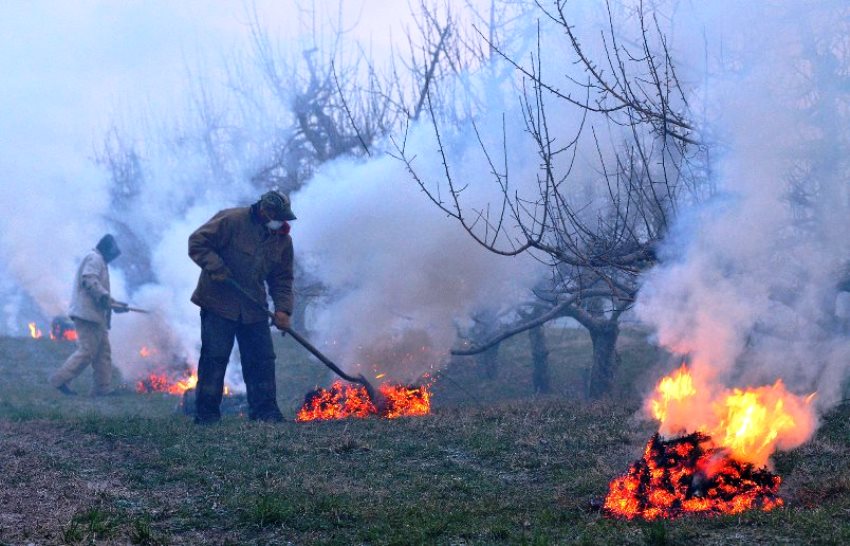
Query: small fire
point(341, 401)
point(726, 437)
point(62, 329)
point(162, 383)
point(35, 332)
point(67, 335)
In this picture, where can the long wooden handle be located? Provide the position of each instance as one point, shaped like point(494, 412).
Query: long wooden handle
point(302, 340)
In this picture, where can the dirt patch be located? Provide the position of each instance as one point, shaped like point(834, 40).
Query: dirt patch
point(50, 476)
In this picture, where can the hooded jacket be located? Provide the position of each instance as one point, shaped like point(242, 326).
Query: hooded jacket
point(90, 297)
point(235, 240)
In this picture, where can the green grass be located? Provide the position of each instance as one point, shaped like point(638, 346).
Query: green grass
point(492, 465)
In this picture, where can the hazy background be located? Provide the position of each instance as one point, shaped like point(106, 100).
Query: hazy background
point(738, 289)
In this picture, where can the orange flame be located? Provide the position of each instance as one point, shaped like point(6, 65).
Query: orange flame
point(162, 383)
point(59, 333)
point(341, 401)
point(751, 423)
point(67, 335)
point(406, 401)
point(714, 467)
point(35, 332)
point(675, 387)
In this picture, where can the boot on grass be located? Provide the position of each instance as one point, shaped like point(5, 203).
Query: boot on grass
point(67, 391)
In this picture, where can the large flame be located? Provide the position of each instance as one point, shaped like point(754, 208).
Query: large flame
point(750, 423)
point(341, 401)
point(716, 464)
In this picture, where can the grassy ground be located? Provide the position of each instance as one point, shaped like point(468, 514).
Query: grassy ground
point(492, 465)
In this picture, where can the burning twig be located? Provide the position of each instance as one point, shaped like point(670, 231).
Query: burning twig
point(35, 332)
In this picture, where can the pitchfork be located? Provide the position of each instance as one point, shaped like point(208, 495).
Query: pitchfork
point(378, 399)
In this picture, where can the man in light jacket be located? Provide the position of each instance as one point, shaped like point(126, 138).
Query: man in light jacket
point(91, 310)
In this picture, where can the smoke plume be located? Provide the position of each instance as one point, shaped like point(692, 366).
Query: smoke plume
point(748, 282)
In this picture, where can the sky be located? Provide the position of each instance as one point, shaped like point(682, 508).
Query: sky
point(70, 67)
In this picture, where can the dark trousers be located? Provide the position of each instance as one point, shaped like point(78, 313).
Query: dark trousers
point(258, 359)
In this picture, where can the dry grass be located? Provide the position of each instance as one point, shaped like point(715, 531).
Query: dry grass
point(499, 468)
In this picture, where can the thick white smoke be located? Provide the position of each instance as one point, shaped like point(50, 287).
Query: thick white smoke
point(749, 281)
point(401, 273)
point(39, 227)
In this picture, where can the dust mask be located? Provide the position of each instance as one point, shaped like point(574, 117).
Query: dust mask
point(274, 224)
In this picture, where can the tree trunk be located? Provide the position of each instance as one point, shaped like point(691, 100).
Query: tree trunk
point(540, 360)
point(604, 339)
point(488, 362)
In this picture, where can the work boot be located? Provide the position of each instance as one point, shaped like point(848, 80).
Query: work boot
point(207, 420)
point(269, 418)
point(64, 389)
point(98, 394)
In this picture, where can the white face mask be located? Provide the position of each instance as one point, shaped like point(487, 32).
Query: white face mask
point(274, 224)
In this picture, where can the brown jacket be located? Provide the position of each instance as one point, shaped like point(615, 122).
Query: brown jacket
point(90, 298)
point(235, 239)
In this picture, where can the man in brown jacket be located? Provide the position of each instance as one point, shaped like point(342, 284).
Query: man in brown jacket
point(91, 310)
point(251, 246)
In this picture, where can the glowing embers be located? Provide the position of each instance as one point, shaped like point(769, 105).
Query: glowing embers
point(722, 440)
point(172, 382)
point(689, 475)
point(342, 401)
point(62, 328)
point(163, 383)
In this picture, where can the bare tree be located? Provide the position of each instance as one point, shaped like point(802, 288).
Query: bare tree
point(123, 164)
point(634, 113)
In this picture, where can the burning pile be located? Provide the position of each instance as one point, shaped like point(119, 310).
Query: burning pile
point(689, 475)
point(163, 383)
point(341, 401)
point(716, 465)
point(172, 382)
point(61, 329)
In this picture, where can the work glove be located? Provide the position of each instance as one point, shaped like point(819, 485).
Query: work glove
point(221, 274)
point(119, 306)
point(281, 320)
point(104, 301)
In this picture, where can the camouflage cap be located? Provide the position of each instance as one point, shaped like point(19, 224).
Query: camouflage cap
point(277, 205)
